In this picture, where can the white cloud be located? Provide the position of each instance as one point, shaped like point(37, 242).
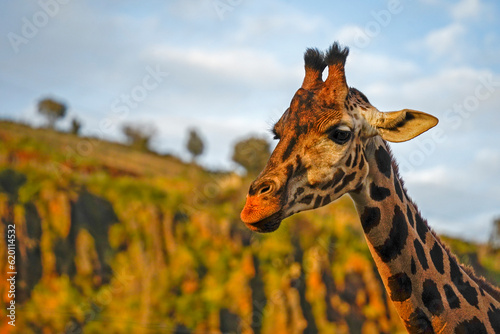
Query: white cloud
point(276, 20)
point(382, 68)
point(445, 42)
point(462, 9)
point(295, 22)
point(488, 160)
point(476, 228)
point(435, 92)
point(467, 9)
point(438, 175)
point(240, 64)
point(193, 9)
point(431, 2)
point(350, 34)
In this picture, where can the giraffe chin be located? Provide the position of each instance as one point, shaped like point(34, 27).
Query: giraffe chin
point(266, 225)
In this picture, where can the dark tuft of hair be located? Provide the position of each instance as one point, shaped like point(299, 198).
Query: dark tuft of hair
point(336, 54)
point(314, 59)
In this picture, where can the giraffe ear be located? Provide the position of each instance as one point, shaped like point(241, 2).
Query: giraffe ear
point(403, 125)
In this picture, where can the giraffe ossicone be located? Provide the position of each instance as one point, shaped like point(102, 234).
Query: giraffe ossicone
point(332, 142)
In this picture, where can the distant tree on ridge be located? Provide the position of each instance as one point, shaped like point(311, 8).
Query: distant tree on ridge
point(252, 154)
point(75, 126)
point(52, 110)
point(495, 233)
point(139, 135)
point(195, 144)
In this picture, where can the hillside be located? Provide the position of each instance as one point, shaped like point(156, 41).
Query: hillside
point(113, 240)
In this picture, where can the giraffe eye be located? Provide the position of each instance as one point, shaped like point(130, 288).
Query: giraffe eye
point(339, 136)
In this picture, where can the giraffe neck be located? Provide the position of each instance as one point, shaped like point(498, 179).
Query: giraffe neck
point(431, 291)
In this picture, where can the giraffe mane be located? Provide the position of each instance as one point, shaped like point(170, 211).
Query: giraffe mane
point(480, 280)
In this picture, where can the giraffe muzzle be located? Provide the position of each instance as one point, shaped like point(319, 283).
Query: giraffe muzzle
point(257, 209)
point(268, 224)
point(262, 210)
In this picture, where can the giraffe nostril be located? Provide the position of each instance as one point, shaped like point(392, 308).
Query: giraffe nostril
point(266, 188)
point(262, 187)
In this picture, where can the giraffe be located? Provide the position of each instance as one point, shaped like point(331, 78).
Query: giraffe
point(332, 141)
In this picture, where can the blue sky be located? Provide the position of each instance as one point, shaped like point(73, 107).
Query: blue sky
point(230, 67)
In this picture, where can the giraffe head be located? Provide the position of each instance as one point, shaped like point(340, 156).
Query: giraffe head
point(322, 139)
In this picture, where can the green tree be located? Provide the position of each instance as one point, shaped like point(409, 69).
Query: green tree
point(52, 110)
point(495, 233)
point(139, 135)
point(252, 154)
point(195, 144)
point(76, 125)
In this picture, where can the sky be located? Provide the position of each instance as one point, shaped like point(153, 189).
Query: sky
point(229, 68)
